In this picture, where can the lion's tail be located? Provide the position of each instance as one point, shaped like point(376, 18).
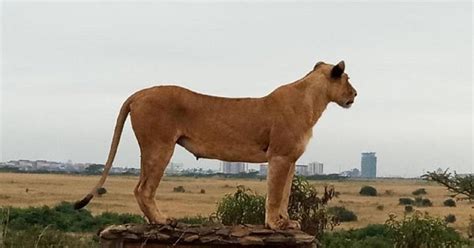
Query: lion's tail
point(113, 150)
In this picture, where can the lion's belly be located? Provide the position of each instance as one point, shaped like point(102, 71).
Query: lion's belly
point(224, 149)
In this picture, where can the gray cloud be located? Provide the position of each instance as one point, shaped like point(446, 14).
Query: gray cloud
point(68, 67)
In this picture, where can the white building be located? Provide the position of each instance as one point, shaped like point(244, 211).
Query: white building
point(233, 167)
point(315, 168)
point(301, 170)
point(263, 170)
point(173, 168)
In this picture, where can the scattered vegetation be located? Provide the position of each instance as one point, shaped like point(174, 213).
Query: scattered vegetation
point(380, 207)
point(408, 208)
point(244, 206)
point(203, 191)
point(449, 203)
point(342, 214)
point(422, 230)
point(461, 186)
point(420, 191)
point(101, 191)
point(423, 202)
point(179, 189)
point(368, 191)
point(309, 209)
point(63, 217)
point(376, 236)
point(406, 201)
point(450, 218)
point(54, 227)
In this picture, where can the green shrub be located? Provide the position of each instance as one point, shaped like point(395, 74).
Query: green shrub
point(450, 218)
point(408, 208)
point(423, 202)
point(420, 191)
point(245, 206)
point(449, 203)
point(406, 201)
point(101, 191)
point(179, 189)
point(342, 214)
point(242, 207)
point(373, 236)
point(63, 217)
point(368, 191)
point(309, 209)
point(420, 230)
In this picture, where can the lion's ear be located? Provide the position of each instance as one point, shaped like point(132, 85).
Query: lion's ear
point(338, 69)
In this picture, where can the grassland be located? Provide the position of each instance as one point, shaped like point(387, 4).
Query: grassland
point(23, 190)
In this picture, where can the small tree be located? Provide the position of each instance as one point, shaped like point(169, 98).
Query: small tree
point(459, 185)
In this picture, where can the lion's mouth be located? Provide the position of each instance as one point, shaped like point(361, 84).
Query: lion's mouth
point(349, 103)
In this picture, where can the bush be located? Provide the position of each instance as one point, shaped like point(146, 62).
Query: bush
point(245, 206)
point(450, 218)
point(423, 202)
point(420, 191)
point(309, 209)
point(242, 207)
point(374, 236)
point(368, 191)
point(422, 231)
point(203, 191)
point(342, 214)
point(63, 217)
point(380, 207)
point(449, 203)
point(179, 189)
point(408, 208)
point(406, 201)
point(101, 191)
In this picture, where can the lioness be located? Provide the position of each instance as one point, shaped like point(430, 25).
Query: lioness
point(275, 128)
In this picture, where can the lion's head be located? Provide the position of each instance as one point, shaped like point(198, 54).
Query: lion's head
point(335, 82)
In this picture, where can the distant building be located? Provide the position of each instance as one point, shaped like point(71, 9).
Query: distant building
point(301, 170)
point(368, 165)
point(173, 168)
point(263, 170)
point(315, 168)
point(233, 167)
point(351, 173)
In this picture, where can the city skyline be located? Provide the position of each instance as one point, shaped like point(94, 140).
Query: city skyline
point(64, 76)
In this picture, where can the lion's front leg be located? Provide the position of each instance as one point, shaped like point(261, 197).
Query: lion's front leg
point(292, 224)
point(278, 172)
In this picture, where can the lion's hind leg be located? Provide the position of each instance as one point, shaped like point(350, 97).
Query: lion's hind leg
point(153, 164)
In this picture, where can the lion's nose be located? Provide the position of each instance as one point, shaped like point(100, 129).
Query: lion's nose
point(355, 93)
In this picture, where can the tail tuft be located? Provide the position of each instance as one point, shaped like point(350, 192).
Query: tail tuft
point(82, 203)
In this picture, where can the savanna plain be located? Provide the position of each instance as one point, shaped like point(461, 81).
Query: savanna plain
point(24, 190)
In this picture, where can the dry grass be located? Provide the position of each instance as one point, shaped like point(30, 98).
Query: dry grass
point(48, 189)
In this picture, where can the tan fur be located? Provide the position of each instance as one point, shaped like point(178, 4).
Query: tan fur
point(275, 128)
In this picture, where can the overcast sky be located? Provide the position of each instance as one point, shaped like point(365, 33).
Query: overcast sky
point(67, 68)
